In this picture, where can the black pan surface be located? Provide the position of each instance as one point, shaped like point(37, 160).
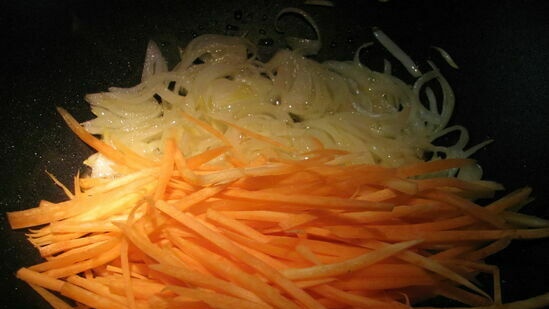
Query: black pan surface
point(56, 51)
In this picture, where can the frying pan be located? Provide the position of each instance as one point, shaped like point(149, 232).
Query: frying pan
point(57, 51)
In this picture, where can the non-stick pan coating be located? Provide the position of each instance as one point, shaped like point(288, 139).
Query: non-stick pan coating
point(54, 52)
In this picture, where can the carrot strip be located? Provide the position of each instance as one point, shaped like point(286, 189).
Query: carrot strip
point(140, 240)
point(271, 250)
point(197, 197)
point(462, 295)
point(432, 265)
point(57, 247)
point(229, 247)
point(208, 128)
point(145, 162)
point(54, 301)
point(468, 207)
point(236, 226)
point(320, 246)
point(78, 255)
point(209, 282)
point(67, 192)
point(39, 279)
point(378, 196)
point(510, 200)
point(166, 169)
point(96, 226)
point(385, 283)
point(216, 300)
point(227, 269)
point(89, 298)
point(309, 200)
point(309, 255)
point(95, 261)
point(474, 186)
point(143, 289)
point(350, 265)
point(111, 153)
point(355, 300)
point(488, 250)
point(206, 156)
point(126, 273)
point(257, 136)
point(96, 287)
point(133, 270)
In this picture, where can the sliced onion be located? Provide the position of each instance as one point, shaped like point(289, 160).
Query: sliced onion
point(154, 62)
point(303, 46)
point(397, 52)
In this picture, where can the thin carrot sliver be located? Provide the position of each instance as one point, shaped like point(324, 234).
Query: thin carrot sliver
point(95, 143)
point(269, 233)
point(208, 128)
point(166, 169)
point(314, 201)
point(349, 265)
point(126, 273)
point(225, 268)
point(257, 136)
point(208, 282)
point(355, 300)
point(216, 300)
point(236, 226)
point(39, 279)
point(89, 298)
point(226, 245)
point(206, 156)
point(52, 299)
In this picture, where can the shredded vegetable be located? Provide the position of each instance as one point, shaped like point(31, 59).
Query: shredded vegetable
point(214, 196)
point(296, 102)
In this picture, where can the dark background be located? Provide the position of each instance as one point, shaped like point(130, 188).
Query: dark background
point(54, 52)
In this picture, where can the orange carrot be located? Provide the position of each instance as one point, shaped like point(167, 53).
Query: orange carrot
point(228, 246)
point(257, 136)
point(111, 153)
point(271, 233)
point(166, 169)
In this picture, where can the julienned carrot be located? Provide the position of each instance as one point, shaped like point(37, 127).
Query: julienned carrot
point(206, 281)
point(217, 300)
point(226, 245)
point(213, 231)
point(257, 136)
point(304, 199)
point(336, 269)
point(82, 254)
point(39, 279)
point(227, 269)
point(52, 299)
point(354, 300)
point(89, 298)
point(166, 169)
point(208, 155)
point(110, 152)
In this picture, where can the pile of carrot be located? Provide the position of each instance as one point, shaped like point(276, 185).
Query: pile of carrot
point(182, 232)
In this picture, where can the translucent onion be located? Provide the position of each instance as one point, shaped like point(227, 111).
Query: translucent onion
point(374, 116)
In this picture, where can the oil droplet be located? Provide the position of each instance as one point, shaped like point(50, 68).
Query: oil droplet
point(265, 42)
